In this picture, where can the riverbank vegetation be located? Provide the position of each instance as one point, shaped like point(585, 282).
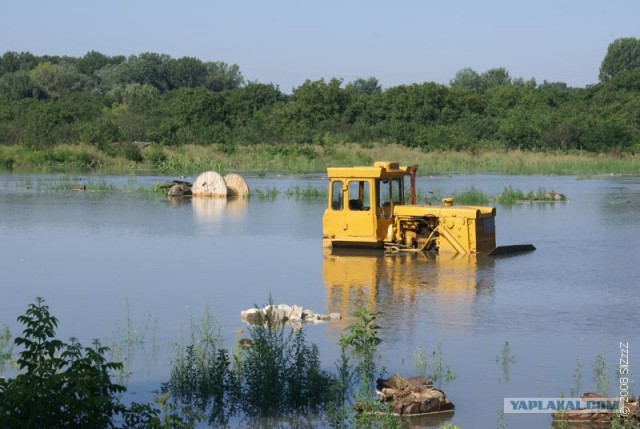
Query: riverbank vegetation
point(184, 115)
point(191, 160)
point(274, 374)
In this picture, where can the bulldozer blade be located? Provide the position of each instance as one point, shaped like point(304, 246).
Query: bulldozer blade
point(512, 249)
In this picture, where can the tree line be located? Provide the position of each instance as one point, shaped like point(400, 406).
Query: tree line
point(99, 99)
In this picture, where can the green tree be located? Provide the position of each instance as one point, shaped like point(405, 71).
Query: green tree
point(137, 96)
point(363, 86)
point(495, 77)
point(149, 68)
point(221, 76)
point(59, 80)
point(469, 79)
point(186, 72)
point(607, 135)
point(19, 85)
point(317, 101)
point(91, 62)
point(622, 54)
point(13, 62)
point(113, 74)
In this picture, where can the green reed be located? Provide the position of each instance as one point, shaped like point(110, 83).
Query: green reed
point(266, 194)
point(601, 375)
point(577, 379)
point(130, 337)
point(506, 359)
point(307, 193)
point(471, 196)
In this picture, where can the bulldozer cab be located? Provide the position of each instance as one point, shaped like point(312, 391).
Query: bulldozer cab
point(361, 201)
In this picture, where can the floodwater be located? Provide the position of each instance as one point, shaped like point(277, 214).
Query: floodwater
point(136, 265)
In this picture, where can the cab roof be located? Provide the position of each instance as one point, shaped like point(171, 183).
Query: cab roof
point(380, 169)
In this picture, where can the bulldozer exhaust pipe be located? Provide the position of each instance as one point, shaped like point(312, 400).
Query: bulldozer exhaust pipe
point(412, 172)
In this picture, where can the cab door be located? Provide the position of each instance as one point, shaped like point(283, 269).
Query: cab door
point(359, 215)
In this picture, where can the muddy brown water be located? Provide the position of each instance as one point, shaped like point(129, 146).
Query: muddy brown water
point(112, 264)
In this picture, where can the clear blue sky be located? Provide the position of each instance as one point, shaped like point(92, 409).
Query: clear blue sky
point(287, 42)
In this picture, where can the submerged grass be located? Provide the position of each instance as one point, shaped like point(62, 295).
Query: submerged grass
point(506, 359)
point(130, 338)
point(277, 374)
point(308, 193)
point(513, 196)
point(266, 194)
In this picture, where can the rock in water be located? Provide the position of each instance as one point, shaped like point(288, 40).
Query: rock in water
point(179, 190)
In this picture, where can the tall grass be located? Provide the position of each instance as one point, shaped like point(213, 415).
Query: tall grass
point(471, 196)
point(298, 159)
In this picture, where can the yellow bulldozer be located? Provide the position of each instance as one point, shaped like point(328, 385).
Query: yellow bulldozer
point(367, 208)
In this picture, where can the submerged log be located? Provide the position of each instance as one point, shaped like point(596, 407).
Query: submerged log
point(209, 184)
point(236, 185)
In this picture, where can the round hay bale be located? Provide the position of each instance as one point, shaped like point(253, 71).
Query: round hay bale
point(209, 184)
point(236, 185)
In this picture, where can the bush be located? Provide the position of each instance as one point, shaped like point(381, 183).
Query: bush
point(63, 384)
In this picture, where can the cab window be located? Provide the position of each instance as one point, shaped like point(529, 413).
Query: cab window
point(389, 190)
point(336, 195)
point(359, 195)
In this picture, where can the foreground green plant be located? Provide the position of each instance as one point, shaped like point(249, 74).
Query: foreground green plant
point(281, 373)
point(61, 384)
point(277, 375)
point(200, 374)
point(68, 385)
point(359, 344)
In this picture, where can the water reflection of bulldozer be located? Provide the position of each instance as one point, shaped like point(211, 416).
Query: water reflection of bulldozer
point(440, 287)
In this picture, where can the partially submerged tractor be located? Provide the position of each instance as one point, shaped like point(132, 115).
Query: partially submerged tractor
point(367, 208)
